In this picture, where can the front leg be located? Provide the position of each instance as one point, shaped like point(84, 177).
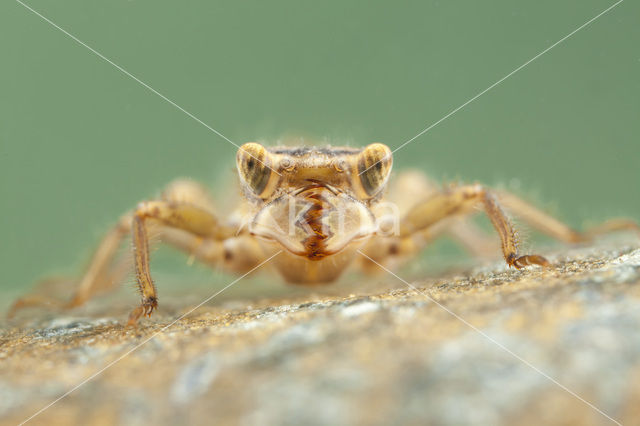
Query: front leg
point(463, 200)
point(205, 238)
point(411, 186)
point(146, 286)
point(183, 216)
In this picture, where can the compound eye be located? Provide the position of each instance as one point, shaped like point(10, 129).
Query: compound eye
point(374, 167)
point(254, 166)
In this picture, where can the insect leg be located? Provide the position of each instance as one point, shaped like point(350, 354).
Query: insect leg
point(182, 216)
point(556, 229)
point(414, 184)
point(103, 271)
point(100, 274)
point(98, 271)
point(462, 200)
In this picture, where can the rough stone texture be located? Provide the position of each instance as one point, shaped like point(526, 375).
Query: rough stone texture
point(390, 357)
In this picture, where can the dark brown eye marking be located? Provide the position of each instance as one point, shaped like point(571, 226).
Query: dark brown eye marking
point(374, 166)
point(253, 166)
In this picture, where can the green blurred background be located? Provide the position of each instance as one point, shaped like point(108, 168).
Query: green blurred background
point(81, 142)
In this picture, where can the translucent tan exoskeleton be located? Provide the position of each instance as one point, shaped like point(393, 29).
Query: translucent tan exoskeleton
point(316, 211)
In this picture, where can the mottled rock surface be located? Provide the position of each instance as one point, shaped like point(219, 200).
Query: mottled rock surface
point(447, 354)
